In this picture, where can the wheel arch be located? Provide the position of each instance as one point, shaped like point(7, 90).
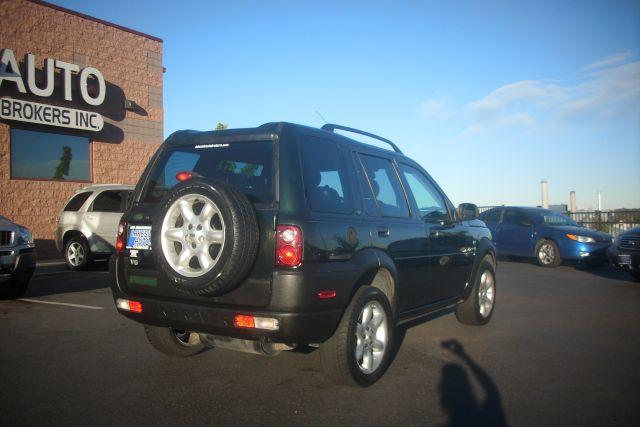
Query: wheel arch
point(378, 271)
point(484, 248)
point(69, 234)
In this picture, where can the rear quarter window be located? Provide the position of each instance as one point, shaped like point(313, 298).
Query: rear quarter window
point(77, 201)
point(325, 178)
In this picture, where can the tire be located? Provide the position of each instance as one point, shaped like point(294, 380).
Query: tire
point(338, 353)
point(635, 274)
point(14, 288)
point(173, 342)
point(547, 254)
point(226, 240)
point(478, 308)
point(77, 254)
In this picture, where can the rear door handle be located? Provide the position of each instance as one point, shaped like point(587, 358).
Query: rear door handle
point(383, 231)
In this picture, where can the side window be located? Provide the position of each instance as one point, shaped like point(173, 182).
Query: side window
point(492, 215)
point(369, 201)
point(108, 201)
point(324, 177)
point(428, 200)
point(515, 218)
point(385, 185)
point(77, 201)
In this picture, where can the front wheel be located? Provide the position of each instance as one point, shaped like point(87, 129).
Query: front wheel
point(547, 254)
point(14, 288)
point(174, 342)
point(360, 350)
point(477, 309)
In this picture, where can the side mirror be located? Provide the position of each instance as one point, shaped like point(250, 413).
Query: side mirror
point(467, 211)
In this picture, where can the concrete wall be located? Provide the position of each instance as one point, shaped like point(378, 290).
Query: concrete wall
point(132, 66)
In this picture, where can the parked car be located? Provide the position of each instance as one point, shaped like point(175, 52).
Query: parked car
point(625, 252)
point(280, 236)
point(17, 258)
point(547, 235)
point(88, 224)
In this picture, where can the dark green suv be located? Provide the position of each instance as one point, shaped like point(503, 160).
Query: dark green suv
point(286, 236)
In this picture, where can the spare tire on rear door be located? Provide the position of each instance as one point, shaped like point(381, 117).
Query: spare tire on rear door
point(205, 237)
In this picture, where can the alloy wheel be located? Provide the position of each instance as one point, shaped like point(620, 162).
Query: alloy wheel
point(192, 235)
point(372, 337)
point(75, 254)
point(486, 293)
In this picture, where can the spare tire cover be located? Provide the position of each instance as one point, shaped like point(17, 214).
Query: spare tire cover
point(205, 237)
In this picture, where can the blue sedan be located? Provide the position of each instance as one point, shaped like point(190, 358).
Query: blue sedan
point(544, 234)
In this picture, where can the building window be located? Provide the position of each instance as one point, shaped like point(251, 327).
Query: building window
point(45, 155)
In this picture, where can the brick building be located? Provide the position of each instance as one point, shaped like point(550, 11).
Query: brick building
point(80, 103)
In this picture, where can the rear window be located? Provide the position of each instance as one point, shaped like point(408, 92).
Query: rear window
point(77, 201)
point(245, 165)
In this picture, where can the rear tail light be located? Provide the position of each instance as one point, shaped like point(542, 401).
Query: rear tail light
point(247, 321)
point(122, 228)
point(128, 305)
point(288, 246)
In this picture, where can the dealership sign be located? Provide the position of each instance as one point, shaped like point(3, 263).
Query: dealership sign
point(33, 112)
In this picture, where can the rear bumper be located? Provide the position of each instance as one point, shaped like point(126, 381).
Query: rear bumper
point(302, 319)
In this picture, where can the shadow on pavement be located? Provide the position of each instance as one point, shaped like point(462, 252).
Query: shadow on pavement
point(457, 397)
point(62, 281)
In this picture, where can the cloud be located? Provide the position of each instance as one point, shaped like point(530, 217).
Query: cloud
point(607, 62)
point(435, 109)
point(604, 90)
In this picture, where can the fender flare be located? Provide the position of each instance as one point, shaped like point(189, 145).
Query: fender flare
point(485, 247)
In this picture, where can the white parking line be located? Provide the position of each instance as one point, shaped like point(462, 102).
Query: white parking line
point(90, 307)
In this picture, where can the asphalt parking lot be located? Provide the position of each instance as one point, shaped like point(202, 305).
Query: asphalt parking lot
point(563, 348)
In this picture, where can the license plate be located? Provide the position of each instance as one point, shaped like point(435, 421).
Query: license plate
point(139, 237)
point(624, 259)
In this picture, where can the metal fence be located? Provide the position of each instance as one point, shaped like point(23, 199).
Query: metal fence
point(611, 222)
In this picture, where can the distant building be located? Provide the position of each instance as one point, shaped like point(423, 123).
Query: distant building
point(562, 207)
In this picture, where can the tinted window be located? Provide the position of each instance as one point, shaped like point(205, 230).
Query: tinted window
point(245, 165)
point(492, 215)
point(46, 155)
point(324, 177)
point(77, 201)
point(385, 185)
point(370, 204)
point(109, 201)
point(514, 217)
point(428, 200)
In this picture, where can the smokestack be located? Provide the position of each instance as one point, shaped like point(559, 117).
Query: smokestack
point(572, 202)
point(599, 200)
point(545, 194)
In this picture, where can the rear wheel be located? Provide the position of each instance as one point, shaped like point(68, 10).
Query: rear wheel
point(360, 350)
point(77, 254)
point(478, 308)
point(547, 254)
point(174, 342)
point(635, 273)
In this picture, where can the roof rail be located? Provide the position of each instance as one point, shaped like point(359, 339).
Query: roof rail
point(331, 128)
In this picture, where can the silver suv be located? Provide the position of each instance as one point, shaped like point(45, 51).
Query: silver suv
point(17, 258)
point(88, 224)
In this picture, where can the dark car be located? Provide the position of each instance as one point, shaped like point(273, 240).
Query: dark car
point(282, 236)
point(625, 252)
point(17, 258)
point(547, 235)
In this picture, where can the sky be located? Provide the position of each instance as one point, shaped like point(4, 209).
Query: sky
point(489, 97)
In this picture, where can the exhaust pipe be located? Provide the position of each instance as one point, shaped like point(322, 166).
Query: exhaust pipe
point(261, 346)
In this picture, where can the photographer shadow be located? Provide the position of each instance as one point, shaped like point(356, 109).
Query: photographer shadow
point(457, 397)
